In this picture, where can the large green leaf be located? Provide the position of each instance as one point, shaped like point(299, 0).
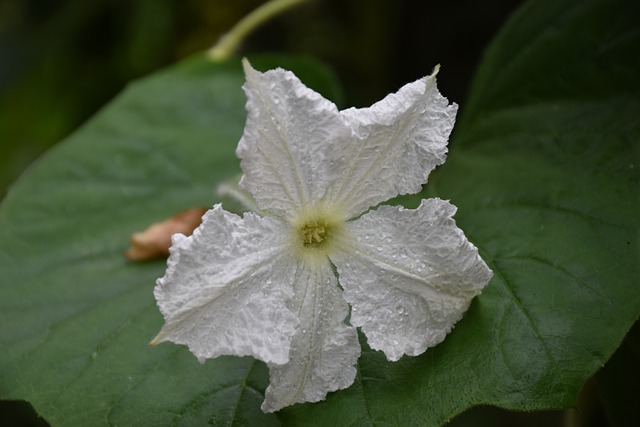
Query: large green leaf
point(75, 316)
point(544, 169)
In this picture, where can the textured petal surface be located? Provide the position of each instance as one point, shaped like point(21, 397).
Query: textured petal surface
point(289, 130)
point(324, 350)
point(226, 287)
point(409, 276)
point(400, 140)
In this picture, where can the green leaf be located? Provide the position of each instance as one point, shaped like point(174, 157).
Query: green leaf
point(544, 168)
point(75, 316)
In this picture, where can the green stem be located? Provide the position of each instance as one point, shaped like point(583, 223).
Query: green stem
point(229, 42)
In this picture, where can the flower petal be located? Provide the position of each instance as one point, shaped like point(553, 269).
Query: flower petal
point(402, 139)
point(226, 287)
point(288, 131)
point(409, 276)
point(324, 349)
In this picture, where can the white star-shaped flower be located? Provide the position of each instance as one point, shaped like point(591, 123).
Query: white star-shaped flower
point(278, 285)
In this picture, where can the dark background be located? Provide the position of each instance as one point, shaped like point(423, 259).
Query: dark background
point(61, 60)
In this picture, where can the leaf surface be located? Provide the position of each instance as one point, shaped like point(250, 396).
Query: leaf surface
point(76, 317)
point(544, 169)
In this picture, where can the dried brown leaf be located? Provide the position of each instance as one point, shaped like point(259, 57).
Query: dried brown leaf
point(154, 242)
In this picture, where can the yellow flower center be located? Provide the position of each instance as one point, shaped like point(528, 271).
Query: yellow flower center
point(314, 232)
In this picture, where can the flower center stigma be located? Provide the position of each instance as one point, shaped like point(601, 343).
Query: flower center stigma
point(314, 232)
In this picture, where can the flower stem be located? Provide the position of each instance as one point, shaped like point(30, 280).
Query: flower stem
point(229, 42)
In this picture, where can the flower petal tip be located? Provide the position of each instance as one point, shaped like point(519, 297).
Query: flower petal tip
point(157, 340)
point(248, 68)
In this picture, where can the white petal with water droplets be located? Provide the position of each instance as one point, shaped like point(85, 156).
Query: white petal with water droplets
point(283, 150)
point(409, 275)
point(399, 141)
point(226, 287)
point(255, 286)
point(324, 349)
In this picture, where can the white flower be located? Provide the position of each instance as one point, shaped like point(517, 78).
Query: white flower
point(278, 286)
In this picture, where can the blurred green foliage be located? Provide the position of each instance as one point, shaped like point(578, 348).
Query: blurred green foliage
point(61, 60)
